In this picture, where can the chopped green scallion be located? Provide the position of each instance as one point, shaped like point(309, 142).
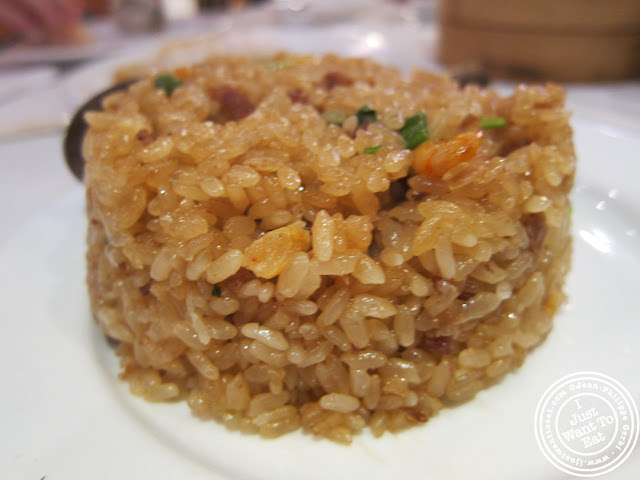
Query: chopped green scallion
point(275, 65)
point(492, 122)
point(372, 149)
point(415, 130)
point(106, 240)
point(366, 113)
point(168, 82)
point(216, 292)
point(334, 116)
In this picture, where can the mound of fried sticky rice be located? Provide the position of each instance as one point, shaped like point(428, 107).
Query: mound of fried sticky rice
point(323, 242)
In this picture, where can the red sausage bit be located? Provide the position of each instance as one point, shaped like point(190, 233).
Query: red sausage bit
point(234, 105)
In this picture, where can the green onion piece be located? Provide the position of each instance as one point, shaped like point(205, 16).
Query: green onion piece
point(106, 240)
point(216, 292)
point(334, 116)
point(366, 113)
point(372, 149)
point(167, 82)
point(492, 122)
point(275, 65)
point(415, 130)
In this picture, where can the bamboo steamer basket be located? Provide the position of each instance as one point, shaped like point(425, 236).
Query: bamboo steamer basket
point(561, 40)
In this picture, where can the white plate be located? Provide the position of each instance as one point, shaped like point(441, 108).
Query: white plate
point(66, 415)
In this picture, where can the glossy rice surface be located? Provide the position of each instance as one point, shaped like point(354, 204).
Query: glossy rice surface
point(259, 251)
